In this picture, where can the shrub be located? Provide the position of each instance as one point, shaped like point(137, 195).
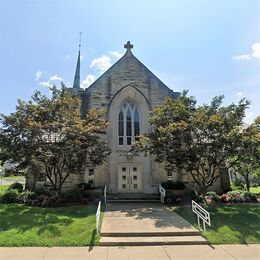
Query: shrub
point(213, 195)
point(23, 197)
point(85, 186)
point(51, 201)
point(235, 196)
point(173, 200)
point(234, 193)
point(9, 197)
point(73, 195)
point(237, 185)
point(239, 196)
point(249, 196)
point(195, 196)
point(43, 200)
point(225, 198)
point(171, 185)
point(16, 186)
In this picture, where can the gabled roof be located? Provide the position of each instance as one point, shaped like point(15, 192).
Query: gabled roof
point(125, 59)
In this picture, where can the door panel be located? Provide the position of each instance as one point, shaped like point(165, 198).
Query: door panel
point(129, 178)
point(135, 178)
point(123, 178)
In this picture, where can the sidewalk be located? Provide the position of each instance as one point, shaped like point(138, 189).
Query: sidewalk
point(189, 252)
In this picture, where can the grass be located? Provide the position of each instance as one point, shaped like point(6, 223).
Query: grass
point(231, 224)
point(3, 188)
point(62, 226)
point(255, 189)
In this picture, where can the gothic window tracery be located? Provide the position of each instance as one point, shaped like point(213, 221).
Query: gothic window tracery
point(128, 124)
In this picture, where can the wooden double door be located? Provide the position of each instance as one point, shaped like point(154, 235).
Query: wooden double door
point(129, 178)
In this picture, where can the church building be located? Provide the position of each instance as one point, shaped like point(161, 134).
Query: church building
point(127, 92)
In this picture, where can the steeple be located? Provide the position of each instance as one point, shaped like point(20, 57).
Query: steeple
point(76, 83)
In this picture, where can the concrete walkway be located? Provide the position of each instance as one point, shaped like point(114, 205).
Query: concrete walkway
point(142, 218)
point(132, 224)
point(191, 252)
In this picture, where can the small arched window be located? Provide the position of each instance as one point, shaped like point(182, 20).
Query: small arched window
point(128, 124)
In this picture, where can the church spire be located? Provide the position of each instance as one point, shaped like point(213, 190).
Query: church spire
point(76, 83)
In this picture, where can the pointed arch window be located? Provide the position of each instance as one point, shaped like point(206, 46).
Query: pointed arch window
point(128, 124)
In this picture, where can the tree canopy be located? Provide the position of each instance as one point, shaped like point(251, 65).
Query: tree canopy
point(50, 133)
point(246, 161)
point(199, 139)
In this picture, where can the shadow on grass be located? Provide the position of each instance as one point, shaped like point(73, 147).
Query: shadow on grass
point(92, 240)
point(44, 220)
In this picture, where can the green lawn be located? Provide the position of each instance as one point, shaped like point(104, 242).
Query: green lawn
point(62, 226)
point(255, 189)
point(3, 188)
point(232, 224)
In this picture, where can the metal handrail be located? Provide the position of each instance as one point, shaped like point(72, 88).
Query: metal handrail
point(105, 193)
point(162, 193)
point(201, 213)
point(98, 217)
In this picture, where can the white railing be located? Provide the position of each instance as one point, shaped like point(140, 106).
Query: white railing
point(201, 214)
point(162, 193)
point(105, 194)
point(98, 217)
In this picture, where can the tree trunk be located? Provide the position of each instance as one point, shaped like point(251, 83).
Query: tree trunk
point(247, 183)
point(204, 191)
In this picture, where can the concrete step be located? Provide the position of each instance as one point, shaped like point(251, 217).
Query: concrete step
point(149, 241)
point(150, 234)
point(133, 200)
point(133, 197)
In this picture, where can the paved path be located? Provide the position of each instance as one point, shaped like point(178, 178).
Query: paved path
point(9, 182)
point(143, 218)
point(201, 252)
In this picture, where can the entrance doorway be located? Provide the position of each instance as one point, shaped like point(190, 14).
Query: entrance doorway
point(129, 178)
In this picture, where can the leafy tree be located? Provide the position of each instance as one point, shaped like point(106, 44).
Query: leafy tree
point(3, 156)
point(49, 133)
point(246, 161)
point(197, 139)
point(256, 177)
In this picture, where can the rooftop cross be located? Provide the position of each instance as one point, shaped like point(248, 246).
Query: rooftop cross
point(128, 46)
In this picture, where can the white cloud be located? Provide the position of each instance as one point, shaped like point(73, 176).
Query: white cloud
point(256, 50)
point(87, 81)
point(49, 83)
point(116, 54)
point(68, 57)
point(239, 93)
point(46, 84)
point(81, 57)
point(241, 57)
point(101, 64)
point(55, 77)
point(38, 75)
point(254, 53)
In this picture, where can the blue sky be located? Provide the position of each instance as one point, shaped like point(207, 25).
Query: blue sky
point(208, 47)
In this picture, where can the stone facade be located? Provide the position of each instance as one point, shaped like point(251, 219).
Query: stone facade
point(127, 80)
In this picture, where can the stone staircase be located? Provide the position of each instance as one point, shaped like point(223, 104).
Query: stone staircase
point(145, 224)
point(133, 198)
